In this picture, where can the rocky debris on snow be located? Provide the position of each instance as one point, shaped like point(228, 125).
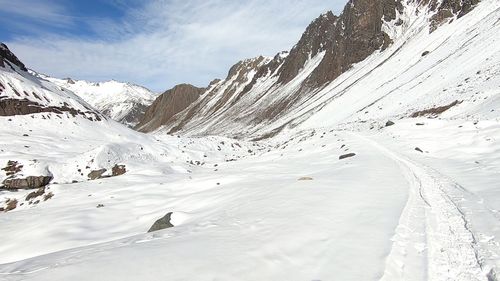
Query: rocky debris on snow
point(349, 155)
point(306, 179)
point(96, 174)
point(162, 223)
point(48, 196)
point(35, 194)
point(435, 111)
point(12, 168)
point(100, 206)
point(118, 170)
point(389, 123)
point(11, 204)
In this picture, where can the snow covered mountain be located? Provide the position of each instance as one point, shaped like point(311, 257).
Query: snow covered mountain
point(122, 102)
point(370, 151)
point(358, 58)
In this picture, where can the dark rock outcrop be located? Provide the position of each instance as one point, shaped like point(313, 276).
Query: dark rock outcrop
point(345, 156)
point(166, 106)
point(31, 182)
point(162, 223)
point(448, 9)
point(7, 56)
point(435, 111)
point(12, 107)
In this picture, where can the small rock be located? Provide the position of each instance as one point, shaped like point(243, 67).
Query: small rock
point(100, 206)
point(118, 170)
point(96, 174)
point(389, 123)
point(11, 205)
point(306, 179)
point(35, 194)
point(349, 155)
point(162, 223)
point(425, 53)
point(419, 150)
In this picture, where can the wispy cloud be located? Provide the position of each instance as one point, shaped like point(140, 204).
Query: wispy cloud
point(46, 12)
point(163, 43)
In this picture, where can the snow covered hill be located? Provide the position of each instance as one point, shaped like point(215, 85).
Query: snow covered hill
point(122, 102)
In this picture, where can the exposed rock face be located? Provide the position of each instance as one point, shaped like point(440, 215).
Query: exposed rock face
point(32, 182)
point(355, 35)
point(7, 56)
point(166, 106)
point(317, 38)
point(11, 107)
point(162, 223)
point(21, 93)
point(448, 9)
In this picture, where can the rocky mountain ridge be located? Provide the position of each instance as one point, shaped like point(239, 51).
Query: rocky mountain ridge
point(261, 90)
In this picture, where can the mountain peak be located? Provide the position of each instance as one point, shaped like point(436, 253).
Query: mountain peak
point(7, 57)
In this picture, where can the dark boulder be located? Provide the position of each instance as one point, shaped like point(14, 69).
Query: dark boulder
point(389, 123)
point(162, 223)
point(118, 170)
point(349, 155)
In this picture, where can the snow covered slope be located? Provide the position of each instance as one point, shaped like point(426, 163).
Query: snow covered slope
point(122, 102)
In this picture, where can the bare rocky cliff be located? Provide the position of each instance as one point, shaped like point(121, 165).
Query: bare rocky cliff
point(167, 105)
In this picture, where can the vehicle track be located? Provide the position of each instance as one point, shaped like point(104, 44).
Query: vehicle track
point(434, 240)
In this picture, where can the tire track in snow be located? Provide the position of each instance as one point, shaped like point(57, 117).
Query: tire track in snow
point(433, 240)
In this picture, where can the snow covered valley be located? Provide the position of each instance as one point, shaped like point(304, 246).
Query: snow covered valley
point(286, 209)
point(369, 151)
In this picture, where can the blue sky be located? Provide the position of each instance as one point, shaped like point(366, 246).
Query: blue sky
point(155, 43)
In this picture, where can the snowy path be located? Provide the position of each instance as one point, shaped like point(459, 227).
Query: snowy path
point(434, 231)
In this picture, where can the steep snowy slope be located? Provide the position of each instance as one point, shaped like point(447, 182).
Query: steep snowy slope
point(122, 102)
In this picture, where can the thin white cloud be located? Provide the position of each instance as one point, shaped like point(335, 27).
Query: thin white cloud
point(46, 12)
point(175, 41)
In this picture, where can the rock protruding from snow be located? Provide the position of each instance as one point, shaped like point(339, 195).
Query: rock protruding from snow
point(166, 106)
point(162, 223)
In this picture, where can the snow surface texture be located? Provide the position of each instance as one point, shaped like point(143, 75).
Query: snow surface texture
point(418, 201)
point(122, 102)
